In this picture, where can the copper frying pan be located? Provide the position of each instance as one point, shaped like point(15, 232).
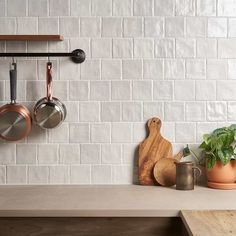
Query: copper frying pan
point(15, 119)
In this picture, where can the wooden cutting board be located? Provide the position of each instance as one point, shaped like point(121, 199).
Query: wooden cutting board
point(152, 149)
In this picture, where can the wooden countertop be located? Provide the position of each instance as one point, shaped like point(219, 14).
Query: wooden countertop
point(110, 201)
point(215, 223)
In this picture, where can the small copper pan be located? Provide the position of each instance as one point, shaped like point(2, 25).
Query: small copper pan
point(15, 119)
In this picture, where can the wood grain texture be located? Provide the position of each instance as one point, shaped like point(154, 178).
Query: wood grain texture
point(90, 226)
point(215, 223)
point(165, 170)
point(152, 149)
point(31, 38)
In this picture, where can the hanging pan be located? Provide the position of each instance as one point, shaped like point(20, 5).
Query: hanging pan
point(15, 119)
point(49, 112)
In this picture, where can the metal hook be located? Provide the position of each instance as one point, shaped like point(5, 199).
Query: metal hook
point(49, 59)
point(13, 60)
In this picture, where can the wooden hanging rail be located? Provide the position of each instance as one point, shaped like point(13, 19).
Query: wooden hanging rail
point(38, 37)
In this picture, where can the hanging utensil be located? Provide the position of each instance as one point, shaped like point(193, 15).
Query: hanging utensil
point(49, 112)
point(15, 119)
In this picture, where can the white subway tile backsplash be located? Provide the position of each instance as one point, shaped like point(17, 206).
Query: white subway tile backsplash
point(8, 154)
point(195, 111)
point(206, 48)
point(26, 153)
point(16, 7)
point(132, 69)
point(163, 90)
point(111, 69)
point(59, 7)
point(2, 174)
point(101, 7)
point(206, 7)
point(226, 8)
point(143, 48)
point(174, 68)
point(121, 132)
point(216, 111)
point(69, 154)
point(38, 174)
point(101, 48)
point(153, 27)
point(164, 7)
point(90, 154)
point(217, 27)
point(90, 27)
point(225, 90)
point(142, 8)
point(185, 132)
point(185, 48)
point(120, 90)
point(226, 48)
point(112, 27)
point(131, 111)
point(174, 27)
point(164, 48)
point(69, 27)
point(122, 48)
point(80, 7)
point(152, 109)
point(133, 27)
point(122, 8)
point(196, 27)
point(48, 25)
point(16, 174)
point(196, 69)
point(89, 111)
point(110, 111)
point(172, 59)
point(185, 7)
point(205, 90)
point(8, 25)
point(174, 111)
point(100, 90)
point(111, 154)
point(184, 90)
point(79, 133)
point(101, 174)
point(47, 153)
point(216, 69)
point(100, 133)
point(58, 174)
point(142, 90)
point(80, 174)
point(122, 174)
point(152, 69)
point(38, 8)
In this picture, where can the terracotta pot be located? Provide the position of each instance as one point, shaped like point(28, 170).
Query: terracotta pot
point(222, 173)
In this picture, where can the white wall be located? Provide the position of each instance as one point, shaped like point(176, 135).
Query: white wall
point(165, 58)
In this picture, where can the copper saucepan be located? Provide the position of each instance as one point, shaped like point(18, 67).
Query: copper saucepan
point(49, 112)
point(15, 119)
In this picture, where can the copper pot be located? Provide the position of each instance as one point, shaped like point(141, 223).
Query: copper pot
point(15, 119)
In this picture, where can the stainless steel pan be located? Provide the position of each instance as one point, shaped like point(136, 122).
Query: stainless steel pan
point(15, 119)
point(49, 112)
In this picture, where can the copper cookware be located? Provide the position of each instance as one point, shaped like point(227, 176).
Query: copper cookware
point(15, 119)
point(49, 112)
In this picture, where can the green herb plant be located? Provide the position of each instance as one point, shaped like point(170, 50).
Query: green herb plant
point(217, 146)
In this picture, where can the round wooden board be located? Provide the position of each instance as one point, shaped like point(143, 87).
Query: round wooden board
point(165, 172)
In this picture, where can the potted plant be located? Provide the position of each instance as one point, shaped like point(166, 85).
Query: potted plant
point(218, 149)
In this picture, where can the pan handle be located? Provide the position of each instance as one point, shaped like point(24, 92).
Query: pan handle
point(49, 81)
point(13, 77)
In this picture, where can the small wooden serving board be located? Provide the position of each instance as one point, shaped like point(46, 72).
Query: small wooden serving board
point(152, 149)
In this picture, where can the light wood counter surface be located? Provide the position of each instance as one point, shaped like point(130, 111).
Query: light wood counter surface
point(109, 201)
point(215, 223)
